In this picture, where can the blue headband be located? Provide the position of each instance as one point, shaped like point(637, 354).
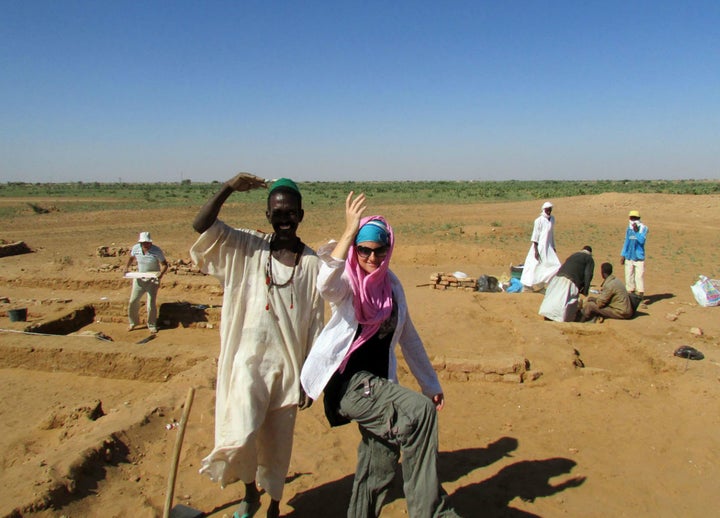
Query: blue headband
point(375, 231)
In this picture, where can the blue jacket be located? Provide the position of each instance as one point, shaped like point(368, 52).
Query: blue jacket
point(634, 247)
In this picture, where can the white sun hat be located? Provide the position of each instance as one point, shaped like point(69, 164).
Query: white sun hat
point(144, 237)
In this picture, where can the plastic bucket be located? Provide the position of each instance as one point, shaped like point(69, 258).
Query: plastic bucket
point(18, 315)
point(516, 271)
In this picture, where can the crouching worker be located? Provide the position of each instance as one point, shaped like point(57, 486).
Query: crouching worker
point(353, 362)
point(613, 300)
point(573, 279)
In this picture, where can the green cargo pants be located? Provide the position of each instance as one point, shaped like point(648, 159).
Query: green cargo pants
point(393, 420)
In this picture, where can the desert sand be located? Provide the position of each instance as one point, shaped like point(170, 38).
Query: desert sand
point(604, 420)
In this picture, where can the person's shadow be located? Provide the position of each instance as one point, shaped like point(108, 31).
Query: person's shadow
point(647, 301)
point(328, 500)
point(527, 479)
point(652, 299)
point(174, 314)
point(331, 499)
point(454, 464)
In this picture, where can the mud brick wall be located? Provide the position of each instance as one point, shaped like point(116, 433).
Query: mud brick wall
point(446, 281)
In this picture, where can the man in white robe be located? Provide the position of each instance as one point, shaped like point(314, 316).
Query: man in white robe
point(271, 314)
point(542, 262)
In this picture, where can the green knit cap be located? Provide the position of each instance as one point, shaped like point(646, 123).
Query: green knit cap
point(284, 182)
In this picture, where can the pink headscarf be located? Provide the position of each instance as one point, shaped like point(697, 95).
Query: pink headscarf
point(372, 292)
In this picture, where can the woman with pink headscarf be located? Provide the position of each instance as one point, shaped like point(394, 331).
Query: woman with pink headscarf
point(353, 362)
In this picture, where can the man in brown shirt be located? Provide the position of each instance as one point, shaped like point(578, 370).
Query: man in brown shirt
point(613, 300)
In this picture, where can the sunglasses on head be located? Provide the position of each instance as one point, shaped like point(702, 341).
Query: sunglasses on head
point(365, 251)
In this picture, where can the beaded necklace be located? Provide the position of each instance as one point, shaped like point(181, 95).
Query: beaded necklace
point(270, 279)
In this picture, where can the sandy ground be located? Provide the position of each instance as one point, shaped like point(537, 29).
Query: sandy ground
point(84, 421)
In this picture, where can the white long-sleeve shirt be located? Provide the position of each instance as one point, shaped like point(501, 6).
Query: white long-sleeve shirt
point(331, 346)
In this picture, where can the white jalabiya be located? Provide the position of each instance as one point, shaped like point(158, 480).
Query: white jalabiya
point(539, 272)
point(261, 354)
point(561, 300)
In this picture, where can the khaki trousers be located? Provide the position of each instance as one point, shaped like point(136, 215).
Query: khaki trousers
point(141, 287)
point(635, 276)
point(591, 309)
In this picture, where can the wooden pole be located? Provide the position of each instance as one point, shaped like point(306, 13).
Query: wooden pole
point(176, 453)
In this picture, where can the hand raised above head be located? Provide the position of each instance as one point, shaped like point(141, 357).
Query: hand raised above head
point(355, 206)
point(246, 182)
point(354, 209)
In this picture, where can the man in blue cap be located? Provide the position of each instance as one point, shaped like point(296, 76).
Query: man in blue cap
point(272, 312)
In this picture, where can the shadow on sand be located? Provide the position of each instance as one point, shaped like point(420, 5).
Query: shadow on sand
point(652, 299)
point(489, 498)
point(528, 480)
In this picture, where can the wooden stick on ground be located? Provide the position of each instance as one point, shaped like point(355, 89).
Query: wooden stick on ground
point(176, 453)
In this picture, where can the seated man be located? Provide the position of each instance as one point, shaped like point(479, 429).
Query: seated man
point(613, 300)
point(572, 279)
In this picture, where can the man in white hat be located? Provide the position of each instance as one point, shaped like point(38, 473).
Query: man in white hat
point(150, 261)
point(633, 254)
point(542, 261)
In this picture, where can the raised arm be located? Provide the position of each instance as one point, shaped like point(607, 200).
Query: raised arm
point(354, 209)
point(209, 212)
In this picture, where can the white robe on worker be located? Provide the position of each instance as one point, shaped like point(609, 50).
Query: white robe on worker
point(261, 353)
point(561, 300)
point(540, 272)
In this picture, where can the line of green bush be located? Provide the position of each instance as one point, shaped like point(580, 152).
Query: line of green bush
point(127, 195)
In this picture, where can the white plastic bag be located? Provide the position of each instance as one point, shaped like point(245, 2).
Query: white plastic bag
point(706, 292)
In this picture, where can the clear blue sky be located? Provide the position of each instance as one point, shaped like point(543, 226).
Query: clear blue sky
point(334, 90)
